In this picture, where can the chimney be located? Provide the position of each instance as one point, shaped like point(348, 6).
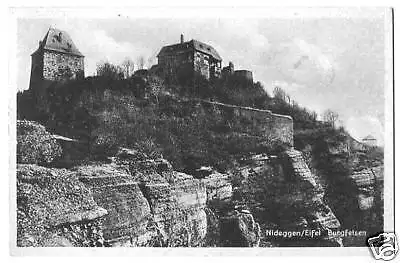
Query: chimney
point(182, 39)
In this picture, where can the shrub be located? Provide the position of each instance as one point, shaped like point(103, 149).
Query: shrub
point(110, 71)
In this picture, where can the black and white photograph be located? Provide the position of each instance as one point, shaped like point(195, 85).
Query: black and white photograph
point(208, 128)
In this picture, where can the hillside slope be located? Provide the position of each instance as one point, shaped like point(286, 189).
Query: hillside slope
point(189, 129)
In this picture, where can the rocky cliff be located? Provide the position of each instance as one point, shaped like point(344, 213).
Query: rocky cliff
point(286, 196)
point(132, 201)
point(138, 200)
point(55, 209)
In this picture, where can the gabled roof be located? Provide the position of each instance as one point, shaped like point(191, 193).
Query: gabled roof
point(59, 41)
point(190, 45)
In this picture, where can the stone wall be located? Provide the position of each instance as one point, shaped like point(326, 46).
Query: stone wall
point(59, 66)
point(244, 74)
point(186, 63)
point(275, 127)
point(175, 65)
point(201, 64)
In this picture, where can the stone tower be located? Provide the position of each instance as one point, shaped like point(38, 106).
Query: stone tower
point(56, 59)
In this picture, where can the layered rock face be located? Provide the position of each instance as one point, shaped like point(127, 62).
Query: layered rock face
point(128, 211)
point(136, 200)
point(367, 181)
point(149, 204)
point(219, 187)
point(133, 201)
point(178, 211)
point(227, 224)
point(55, 209)
point(284, 192)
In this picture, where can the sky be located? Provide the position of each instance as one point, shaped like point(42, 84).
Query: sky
point(335, 63)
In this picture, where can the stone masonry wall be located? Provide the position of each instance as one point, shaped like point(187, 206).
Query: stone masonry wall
point(59, 66)
point(201, 64)
point(275, 126)
point(180, 63)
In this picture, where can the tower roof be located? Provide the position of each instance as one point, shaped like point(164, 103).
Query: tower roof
point(190, 45)
point(59, 41)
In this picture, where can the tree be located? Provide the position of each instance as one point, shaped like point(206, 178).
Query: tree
point(279, 93)
point(108, 70)
point(313, 115)
point(129, 67)
point(140, 62)
point(330, 117)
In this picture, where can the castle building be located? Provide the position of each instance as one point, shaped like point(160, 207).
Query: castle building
point(190, 57)
point(243, 74)
point(370, 141)
point(56, 59)
point(228, 70)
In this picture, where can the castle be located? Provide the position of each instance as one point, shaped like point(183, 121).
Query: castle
point(190, 57)
point(193, 57)
point(370, 141)
point(56, 59)
point(229, 70)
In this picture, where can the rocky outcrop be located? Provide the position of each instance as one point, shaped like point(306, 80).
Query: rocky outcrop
point(178, 211)
point(128, 210)
point(149, 203)
point(308, 193)
point(219, 187)
point(239, 229)
point(283, 191)
point(368, 182)
point(227, 225)
point(136, 200)
point(35, 144)
point(55, 209)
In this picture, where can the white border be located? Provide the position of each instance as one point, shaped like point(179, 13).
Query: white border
point(181, 12)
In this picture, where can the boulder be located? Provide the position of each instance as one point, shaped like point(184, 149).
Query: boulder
point(35, 145)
